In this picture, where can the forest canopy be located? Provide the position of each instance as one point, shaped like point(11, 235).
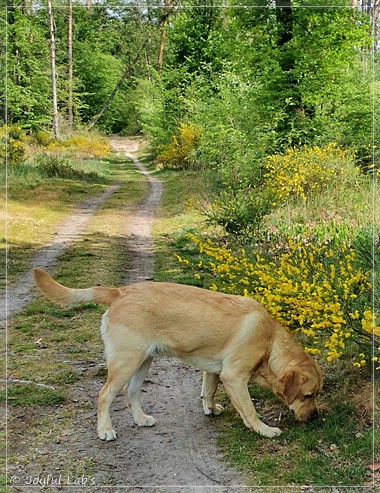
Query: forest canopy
point(300, 73)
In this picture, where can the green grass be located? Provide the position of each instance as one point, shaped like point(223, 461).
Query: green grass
point(177, 215)
point(335, 449)
point(336, 214)
point(36, 207)
point(30, 394)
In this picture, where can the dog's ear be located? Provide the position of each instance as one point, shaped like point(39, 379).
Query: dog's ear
point(291, 381)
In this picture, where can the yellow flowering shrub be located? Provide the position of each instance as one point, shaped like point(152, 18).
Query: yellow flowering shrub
point(298, 172)
point(310, 289)
point(93, 145)
point(42, 137)
point(89, 145)
point(12, 144)
point(177, 153)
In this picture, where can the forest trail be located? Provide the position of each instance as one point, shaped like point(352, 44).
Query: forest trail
point(178, 454)
point(140, 221)
point(20, 292)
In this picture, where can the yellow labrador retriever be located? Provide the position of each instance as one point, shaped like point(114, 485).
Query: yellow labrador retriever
point(231, 338)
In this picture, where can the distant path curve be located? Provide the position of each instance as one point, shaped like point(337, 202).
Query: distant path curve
point(139, 222)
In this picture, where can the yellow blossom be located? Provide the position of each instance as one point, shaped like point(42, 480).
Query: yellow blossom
point(308, 295)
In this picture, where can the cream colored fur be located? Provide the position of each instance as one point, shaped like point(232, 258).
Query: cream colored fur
point(232, 339)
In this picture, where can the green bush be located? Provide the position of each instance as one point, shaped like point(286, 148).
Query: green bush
point(53, 166)
point(239, 212)
point(160, 105)
point(56, 166)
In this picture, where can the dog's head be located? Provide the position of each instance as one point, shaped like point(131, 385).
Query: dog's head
point(299, 388)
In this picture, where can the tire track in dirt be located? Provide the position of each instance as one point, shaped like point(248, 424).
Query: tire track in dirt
point(139, 238)
point(20, 292)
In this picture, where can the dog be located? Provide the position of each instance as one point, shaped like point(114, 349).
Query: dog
point(232, 339)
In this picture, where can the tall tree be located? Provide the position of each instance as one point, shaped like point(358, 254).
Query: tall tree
point(374, 19)
point(70, 63)
point(53, 71)
point(163, 29)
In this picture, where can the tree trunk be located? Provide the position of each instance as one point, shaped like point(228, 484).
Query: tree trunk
point(88, 5)
point(164, 26)
point(53, 72)
point(284, 16)
point(375, 13)
point(70, 64)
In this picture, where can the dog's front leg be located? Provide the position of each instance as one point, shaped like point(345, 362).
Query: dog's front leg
point(237, 390)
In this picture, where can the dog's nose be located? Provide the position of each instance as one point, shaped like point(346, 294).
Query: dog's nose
point(314, 414)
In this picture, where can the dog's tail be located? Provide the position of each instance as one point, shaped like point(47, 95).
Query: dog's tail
point(69, 296)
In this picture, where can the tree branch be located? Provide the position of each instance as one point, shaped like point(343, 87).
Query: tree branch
point(111, 97)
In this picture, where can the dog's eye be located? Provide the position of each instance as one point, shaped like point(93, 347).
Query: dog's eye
point(309, 396)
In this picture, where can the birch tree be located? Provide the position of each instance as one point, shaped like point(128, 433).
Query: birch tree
point(53, 71)
point(70, 63)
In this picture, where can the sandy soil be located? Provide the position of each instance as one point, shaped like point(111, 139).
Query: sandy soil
point(178, 454)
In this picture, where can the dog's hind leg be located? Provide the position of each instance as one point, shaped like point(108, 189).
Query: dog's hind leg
point(209, 386)
point(132, 392)
point(119, 375)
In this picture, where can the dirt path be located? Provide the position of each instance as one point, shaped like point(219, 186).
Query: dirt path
point(21, 292)
point(178, 454)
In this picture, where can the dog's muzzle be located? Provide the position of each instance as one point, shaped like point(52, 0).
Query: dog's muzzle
point(305, 418)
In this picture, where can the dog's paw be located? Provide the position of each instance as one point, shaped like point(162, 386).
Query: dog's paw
point(107, 435)
point(218, 409)
point(145, 420)
point(268, 431)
